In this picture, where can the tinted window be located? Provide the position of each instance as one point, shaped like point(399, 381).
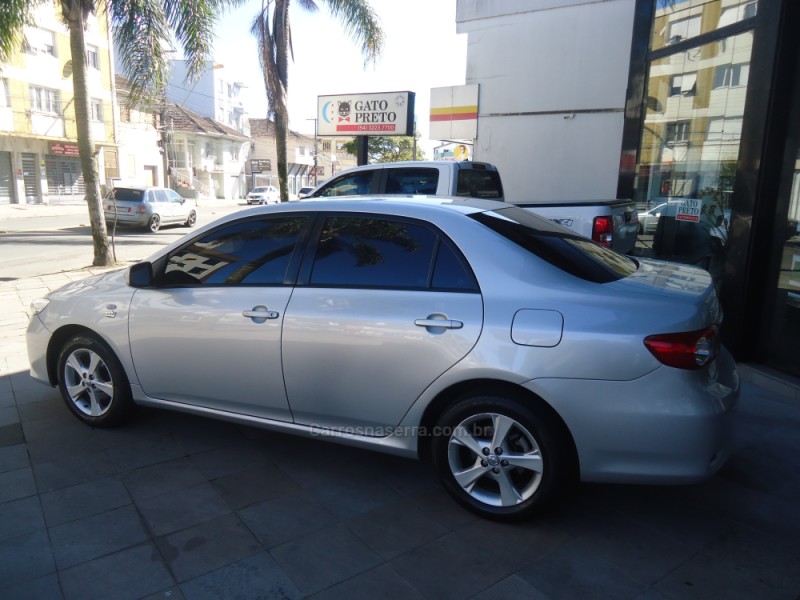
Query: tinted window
point(479, 184)
point(558, 246)
point(360, 251)
point(252, 252)
point(356, 184)
point(451, 272)
point(412, 181)
point(126, 195)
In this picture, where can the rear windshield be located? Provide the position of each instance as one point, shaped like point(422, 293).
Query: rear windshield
point(479, 184)
point(557, 245)
point(126, 195)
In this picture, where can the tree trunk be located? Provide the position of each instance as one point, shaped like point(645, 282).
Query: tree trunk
point(75, 19)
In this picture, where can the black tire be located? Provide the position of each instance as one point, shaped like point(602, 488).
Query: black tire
point(496, 488)
point(154, 224)
point(92, 382)
point(191, 219)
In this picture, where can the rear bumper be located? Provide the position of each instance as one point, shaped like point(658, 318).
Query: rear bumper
point(130, 220)
point(670, 426)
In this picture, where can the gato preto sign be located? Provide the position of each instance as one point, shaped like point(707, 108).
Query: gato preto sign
point(384, 114)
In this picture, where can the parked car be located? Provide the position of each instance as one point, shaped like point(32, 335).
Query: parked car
point(267, 194)
point(149, 207)
point(516, 354)
point(611, 223)
point(648, 219)
point(304, 192)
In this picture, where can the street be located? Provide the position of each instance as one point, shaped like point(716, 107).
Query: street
point(46, 244)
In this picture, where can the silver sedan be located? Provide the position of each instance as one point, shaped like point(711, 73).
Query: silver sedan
point(516, 355)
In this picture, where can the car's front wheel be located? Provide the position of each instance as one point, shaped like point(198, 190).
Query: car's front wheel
point(92, 381)
point(191, 219)
point(154, 224)
point(499, 457)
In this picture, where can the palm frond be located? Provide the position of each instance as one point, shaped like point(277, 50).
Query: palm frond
point(14, 15)
point(361, 23)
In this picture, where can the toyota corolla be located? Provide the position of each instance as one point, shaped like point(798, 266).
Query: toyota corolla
point(514, 354)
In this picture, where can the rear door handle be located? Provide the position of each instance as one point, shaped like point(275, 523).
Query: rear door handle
point(260, 314)
point(439, 321)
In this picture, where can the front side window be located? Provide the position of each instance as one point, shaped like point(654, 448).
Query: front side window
point(363, 251)
point(354, 184)
point(412, 181)
point(251, 252)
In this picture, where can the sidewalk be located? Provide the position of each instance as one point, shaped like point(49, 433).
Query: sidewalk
point(176, 506)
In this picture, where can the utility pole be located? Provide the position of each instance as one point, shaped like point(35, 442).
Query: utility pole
point(316, 150)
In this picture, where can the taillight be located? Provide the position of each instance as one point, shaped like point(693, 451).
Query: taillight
point(141, 209)
point(603, 230)
point(689, 350)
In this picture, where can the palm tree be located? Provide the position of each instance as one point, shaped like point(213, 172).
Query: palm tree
point(145, 31)
point(273, 33)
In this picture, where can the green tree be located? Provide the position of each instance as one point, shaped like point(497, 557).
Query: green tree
point(145, 31)
point(272, 29)
point(389, 149)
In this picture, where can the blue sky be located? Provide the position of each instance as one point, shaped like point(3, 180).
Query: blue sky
point(422, 51)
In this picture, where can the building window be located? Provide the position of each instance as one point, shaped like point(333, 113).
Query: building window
point(683, 30)
point(683, 85)
point(45, 100)
point(677, 131)
point(92, 57)
point(39, 41)
point(97, 110)
point(726, 76)
point(5, 96)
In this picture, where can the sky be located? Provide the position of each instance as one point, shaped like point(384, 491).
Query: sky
point(422, 50)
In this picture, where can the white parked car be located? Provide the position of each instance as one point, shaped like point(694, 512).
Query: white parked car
point(515, 353)
point(267, 194)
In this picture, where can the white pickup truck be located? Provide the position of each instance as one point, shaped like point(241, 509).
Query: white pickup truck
point(612, 223)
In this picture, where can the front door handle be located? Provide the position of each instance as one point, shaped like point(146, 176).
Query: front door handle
point(260, 314)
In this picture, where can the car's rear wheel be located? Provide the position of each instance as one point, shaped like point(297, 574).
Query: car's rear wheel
point(154, 224)
point(498, 457)
point(191, 219)
point(92, 382)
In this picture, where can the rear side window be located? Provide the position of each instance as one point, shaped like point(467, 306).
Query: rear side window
point(576, 255)
point(387, 253)
point(251, 252)
point(412, 181)
point(478, 183)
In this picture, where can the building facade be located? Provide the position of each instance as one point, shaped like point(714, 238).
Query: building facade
point(687, 106)
point(39, 160)
point(211, 95)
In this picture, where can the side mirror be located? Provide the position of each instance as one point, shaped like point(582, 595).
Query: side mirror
point(140, 275)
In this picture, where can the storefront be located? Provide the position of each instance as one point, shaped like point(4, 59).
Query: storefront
point(711, 154)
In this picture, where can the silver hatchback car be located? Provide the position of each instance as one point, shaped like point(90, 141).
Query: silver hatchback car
point(516, 355)
point(149, 207)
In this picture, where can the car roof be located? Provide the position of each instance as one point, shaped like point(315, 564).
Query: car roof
point(462, 164)
point(379, 203)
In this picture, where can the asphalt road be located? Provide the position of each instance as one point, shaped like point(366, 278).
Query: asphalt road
point(45, 244)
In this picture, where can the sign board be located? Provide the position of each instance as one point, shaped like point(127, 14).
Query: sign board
point(689, 210)
point(454, 112)
point(384, 114)
point(59, 149)
point(258, 165)
point(319, 170)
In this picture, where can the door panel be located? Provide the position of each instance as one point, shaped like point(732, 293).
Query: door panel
point(195, 345)
point(354, 358)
